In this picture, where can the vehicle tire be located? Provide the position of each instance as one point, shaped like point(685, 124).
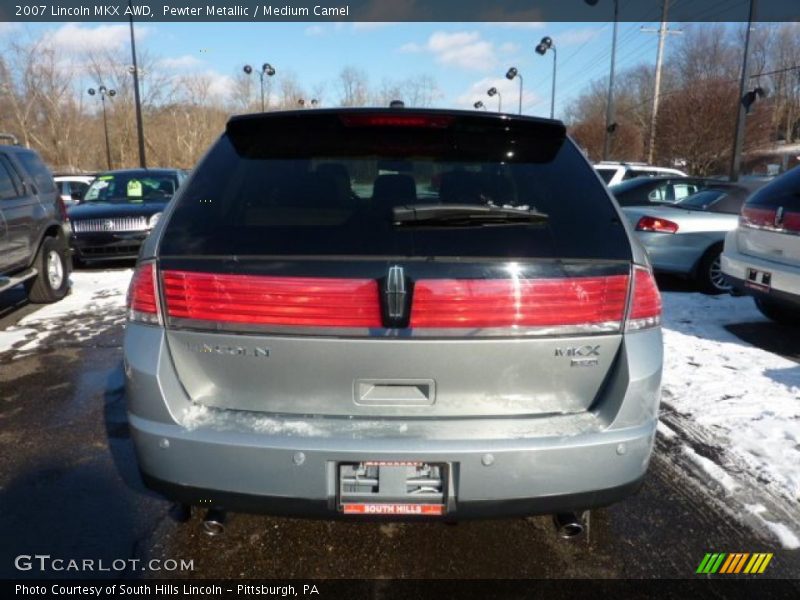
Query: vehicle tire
point(53, 265)
point(709, 273)
point(778, 312)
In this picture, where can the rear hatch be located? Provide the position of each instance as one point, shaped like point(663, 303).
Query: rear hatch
point(406, 263)
point(769, 226)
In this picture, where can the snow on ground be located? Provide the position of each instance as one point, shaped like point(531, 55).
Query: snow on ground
point(96, 301)
point(746, 398)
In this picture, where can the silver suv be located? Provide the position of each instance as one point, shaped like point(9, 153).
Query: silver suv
point(393, 313)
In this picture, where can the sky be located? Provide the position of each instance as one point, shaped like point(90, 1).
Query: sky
point(465, 59)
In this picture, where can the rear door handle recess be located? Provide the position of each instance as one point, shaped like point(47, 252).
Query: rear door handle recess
point(399, 392)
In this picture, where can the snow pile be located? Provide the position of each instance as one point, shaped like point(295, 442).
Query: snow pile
point(202, 416)
point(96, 302)
point(747, 399)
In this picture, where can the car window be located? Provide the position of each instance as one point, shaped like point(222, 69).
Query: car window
point(682, 190)
point(132, 187)
point(317, 196)
point(77, 188)
point(659, 194)
point(7, 187)
point(38, 172)
point(784, 191)
point(606, 174)
point(702, 200)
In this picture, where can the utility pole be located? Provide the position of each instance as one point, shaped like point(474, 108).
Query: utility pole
point(137, 100)
point(738, 138)
point(662, 31)
point(610, 100)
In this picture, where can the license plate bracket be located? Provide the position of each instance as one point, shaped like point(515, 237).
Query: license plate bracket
point(393, 488)
point(758, 280)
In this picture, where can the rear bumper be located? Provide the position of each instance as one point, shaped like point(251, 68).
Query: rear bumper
point(296, 475)
point(500, 466)
point(785, 279)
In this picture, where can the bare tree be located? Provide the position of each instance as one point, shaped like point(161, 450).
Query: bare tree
point(354, 87)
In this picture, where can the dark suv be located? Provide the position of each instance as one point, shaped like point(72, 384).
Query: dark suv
point(33, 239)
point(393, 313)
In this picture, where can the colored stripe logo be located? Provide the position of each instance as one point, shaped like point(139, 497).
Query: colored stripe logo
point(734, 563)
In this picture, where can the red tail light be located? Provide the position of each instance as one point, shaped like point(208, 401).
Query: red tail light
point(791, 222)
point(646, 303)
point(264, 300)
point(397, 120)
point(143, 295)
point(62, 209)
point(657, 225)
point(576, 301)
point(753, 216)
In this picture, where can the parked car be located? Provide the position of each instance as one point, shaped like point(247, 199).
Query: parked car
point(316, 328)
point(686, 239)
point(762, 255)
point(617, 172)
point(73, 187)
point(33, 236)
point(118, 211)
point(646, 191)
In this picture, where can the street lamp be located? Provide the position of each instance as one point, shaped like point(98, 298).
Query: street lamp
point(104, 91)
point(542, 48)
point(492, 91)
point(266, 70)
point(610, 125)
point(479, 105)
point(510, 75)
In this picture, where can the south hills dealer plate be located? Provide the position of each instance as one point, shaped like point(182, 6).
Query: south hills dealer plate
point(393, 488)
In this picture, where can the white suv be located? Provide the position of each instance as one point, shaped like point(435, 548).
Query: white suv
point(615, 172)
point(762, 256)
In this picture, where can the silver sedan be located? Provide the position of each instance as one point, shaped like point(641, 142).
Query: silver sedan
point(687, 238)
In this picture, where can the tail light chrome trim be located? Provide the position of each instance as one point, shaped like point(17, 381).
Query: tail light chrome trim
point(144, 305)
point(646, 306)
point(777, 220)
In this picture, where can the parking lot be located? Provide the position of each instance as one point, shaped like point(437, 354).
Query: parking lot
point(70, 486)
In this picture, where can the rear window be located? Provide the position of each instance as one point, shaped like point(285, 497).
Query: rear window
point(782, 191)
point(606, 174)
point(317, 187)
point(37, 171)
point(132, 187)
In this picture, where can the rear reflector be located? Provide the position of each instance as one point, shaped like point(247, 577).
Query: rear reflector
point(467, 303)
point(656, 225)
point(265, 300)
point(142, 295)
point(791, 222)
point(646, 303)
point(397, 120)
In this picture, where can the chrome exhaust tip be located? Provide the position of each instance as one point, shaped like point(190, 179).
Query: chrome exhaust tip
point(568, 525)
point(214, 522)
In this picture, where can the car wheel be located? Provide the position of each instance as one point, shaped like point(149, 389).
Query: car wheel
point(710, 279)
point(777, 312)
point(52, 280)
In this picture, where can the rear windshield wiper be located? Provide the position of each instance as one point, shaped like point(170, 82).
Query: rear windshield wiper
point(463, 215)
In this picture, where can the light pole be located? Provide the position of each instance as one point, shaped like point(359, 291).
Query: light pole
point(492, 91)
point(479, 105)
point(266, 70)
point(510, 75)
point(136, 98)
point(103, 91)
point(541, 49)
point(610, 125)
